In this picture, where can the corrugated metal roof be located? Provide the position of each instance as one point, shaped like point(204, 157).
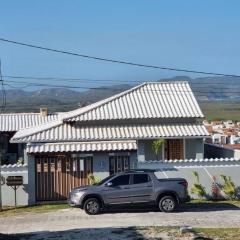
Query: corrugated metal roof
point(146, 101)
point(149, 100)
point(73, 132)
point(12, 122)
point(82, 146)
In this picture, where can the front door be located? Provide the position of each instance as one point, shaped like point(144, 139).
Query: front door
point(119, 191)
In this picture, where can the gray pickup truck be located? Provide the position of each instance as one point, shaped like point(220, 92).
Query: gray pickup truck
point(131, 188)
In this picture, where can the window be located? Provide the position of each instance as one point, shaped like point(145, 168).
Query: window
point(118, 164)
point(140, 178)
point(121, 180)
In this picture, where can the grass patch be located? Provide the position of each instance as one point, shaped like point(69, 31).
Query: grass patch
point(10, 211)
point(219, 233)
point(221, 110)
point(230, 202)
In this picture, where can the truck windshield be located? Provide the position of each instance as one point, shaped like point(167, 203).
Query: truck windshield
point(105, 180)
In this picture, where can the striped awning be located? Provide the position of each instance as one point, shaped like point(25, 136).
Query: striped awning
point(81, 146)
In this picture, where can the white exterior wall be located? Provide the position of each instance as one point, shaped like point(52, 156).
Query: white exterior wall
point(206, 168)
point(101, 163)
point(8, 198)
point(193, 149)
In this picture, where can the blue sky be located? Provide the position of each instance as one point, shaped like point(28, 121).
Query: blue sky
point(200, 35)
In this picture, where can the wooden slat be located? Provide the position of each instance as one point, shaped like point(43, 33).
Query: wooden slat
point(55, 176)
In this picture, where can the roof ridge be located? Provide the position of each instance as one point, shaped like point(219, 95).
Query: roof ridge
point(45, 126)
point(24, 132)
point(170, 82)
point(88, 108)
point(103, 101)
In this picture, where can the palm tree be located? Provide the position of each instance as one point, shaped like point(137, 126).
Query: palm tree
point(156, 146)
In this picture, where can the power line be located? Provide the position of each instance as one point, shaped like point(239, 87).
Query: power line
point(196, 85)
point(117, 61)
point(106, 80)
point(70, 79)
point(64, 86)
point(122, 89)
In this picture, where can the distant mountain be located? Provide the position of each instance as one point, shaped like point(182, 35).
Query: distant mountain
point(61, 99)
point(213, 88)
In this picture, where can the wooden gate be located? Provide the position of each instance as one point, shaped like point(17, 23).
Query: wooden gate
point(56, 175)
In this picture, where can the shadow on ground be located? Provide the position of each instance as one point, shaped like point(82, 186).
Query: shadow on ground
point(131, 233)
point(188, 207)
point(207, 207)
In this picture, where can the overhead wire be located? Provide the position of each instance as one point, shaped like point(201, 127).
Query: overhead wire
point(120, 89)
point(88, 80)
point(116, 61)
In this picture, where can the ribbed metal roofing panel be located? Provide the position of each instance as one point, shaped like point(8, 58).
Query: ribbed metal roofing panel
point(82, 146)
point(12, 122)
point(68, 132)
point(149, 100)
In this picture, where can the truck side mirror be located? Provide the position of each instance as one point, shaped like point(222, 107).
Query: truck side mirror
point(109, 184)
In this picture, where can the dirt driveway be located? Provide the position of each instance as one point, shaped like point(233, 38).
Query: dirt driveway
point(204, 215)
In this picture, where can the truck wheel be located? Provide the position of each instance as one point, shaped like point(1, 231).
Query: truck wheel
point(92, 206)
point(167, 204)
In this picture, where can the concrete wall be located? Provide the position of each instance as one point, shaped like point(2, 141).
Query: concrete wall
point(206, 168)
point(8, 192)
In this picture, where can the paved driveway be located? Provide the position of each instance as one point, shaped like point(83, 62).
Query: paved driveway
point(73, 218)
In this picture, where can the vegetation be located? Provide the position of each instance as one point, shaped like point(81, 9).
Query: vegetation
point(197, 187)
point(10, 211)
point(156, 146)
point(221, 110)
point(228, 187)
point(92, 179)
point(218, 233)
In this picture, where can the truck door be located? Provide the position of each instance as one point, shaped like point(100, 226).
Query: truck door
point(117, 191)
point(141, 188)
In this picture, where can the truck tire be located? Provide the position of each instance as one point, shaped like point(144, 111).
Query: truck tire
point(167, 204)
point(92, 206)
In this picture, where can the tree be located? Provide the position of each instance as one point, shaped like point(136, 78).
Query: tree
point(156, 146)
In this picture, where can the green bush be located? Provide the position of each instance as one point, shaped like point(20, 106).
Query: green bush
point(228, 187)
point(156, 146)
point(197, 187)
point(92, 179)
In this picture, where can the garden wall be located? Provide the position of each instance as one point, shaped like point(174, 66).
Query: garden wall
point(206, 169)
point(23, 191)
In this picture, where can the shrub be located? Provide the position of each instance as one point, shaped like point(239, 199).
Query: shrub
point(228, 187)
point(197, 187)
point(92, 179)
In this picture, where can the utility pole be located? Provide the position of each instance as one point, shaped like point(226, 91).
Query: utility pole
point(0, 179)
point(1, 150)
